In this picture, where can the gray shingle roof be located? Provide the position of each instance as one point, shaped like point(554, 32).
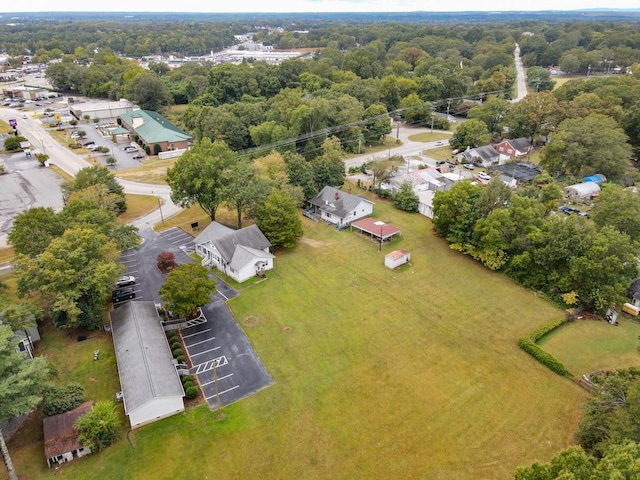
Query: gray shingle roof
point(521, 144)
point(142, 352)
point(336, 201)
point(226, 239)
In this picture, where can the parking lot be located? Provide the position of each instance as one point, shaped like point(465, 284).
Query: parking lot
point(221, 355)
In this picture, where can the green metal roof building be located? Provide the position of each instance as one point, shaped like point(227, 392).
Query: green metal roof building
point(154, 131)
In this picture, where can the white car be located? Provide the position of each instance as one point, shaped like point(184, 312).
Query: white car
point(483, 176)
point(439, 144)
point(469, 166)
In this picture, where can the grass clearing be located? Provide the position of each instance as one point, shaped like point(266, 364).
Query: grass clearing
point(440, 153)
point(137, 206)
point(587, 345)
point(152, 171)
point(194, 213)
point(378, 374)
point(5, 128)
point(6, 254)
point(562, 80)
point(430, 136)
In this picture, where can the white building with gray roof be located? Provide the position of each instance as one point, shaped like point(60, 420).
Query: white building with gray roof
point(151, 386)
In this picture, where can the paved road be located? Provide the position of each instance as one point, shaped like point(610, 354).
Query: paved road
point(521, 81)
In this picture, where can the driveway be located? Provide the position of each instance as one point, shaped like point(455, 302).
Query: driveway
point(221, 355)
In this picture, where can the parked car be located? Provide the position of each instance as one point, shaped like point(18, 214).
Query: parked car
point(122, 294)
point(130, 149)
point(469, 166)
point(439, 143)
point(89, 142)
point(125, 281)
point(564, 209)
point(483, 176)
point(138, 157)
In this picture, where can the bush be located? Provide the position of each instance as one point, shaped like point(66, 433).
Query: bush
point(57, 400)
point(175, 345)
point(98, 428)
point(181, 359)
point(187, 385)
point(177, 353)
point(166, 262)
point(173, 338)
point(157, 149)
point(529, 345)
point(187, 378)
point(191, 393)
point(12, 143)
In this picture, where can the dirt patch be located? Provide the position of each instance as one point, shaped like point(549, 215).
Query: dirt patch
point(251, 321)
point(312, 243)
point(287, 330)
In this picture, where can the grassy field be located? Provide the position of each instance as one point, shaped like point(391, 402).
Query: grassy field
point(587, 345)
point(412, 373)
point(430, 136)
point(152, 171)
point(138, 206)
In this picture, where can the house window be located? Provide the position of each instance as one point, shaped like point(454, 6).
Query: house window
point(328, 215)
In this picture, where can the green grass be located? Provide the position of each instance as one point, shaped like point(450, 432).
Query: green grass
point(138, 206)
point(587, 345)
point(430, 136)
point(412, 373)
point(5, 127)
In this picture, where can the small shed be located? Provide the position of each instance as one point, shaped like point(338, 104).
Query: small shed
point(583, 190)
point(396, 258)
point(61, 442)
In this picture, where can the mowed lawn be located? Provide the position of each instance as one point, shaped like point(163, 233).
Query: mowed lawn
point(413, 373)
point(587, 345)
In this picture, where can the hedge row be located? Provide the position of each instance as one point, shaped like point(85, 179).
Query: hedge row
point(529, 345)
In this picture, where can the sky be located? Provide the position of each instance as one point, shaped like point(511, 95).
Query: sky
point(312, 5)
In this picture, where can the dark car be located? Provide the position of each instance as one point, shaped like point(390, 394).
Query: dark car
point(90, 142)
point(125, 281)
point(122, 294)
point(138, 157)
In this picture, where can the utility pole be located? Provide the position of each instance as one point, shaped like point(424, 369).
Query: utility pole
point(448, 107)
point(397, 130)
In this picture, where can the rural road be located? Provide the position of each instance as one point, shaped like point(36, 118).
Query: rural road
point(521, 81)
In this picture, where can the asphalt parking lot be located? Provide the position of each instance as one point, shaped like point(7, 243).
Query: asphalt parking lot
point(221, 355)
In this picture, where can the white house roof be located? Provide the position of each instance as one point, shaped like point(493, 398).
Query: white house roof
point(244, 255)
point(144, 360)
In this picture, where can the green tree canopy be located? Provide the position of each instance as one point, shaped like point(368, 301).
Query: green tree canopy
point(187, 287)
point(472, 133)
point(91, 176)
point(98, 428)
point(34, 229)
point(279, 220)
point(198, 176)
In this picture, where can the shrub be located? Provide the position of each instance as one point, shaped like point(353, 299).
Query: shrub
point(173, 338)
point(12, 143)
point(147, 150)
point(177, 353)
point(187, 385)
point(529, 345)
point(166, 261)
point(98, 428)
point(73, 123)
point(191, 393)
point(57, 400)
point(157, 149)
point(175, 345)
point(181, 359)
point(187, 378)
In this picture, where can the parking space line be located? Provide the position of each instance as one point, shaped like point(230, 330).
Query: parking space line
point(206, 351)
point(198, 343)
point(220, 393)
point(214, 381)
point(197, 333)
point(208, 365)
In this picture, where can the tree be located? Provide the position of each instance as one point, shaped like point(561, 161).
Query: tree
point(454, 212)
point(56, 400)
point(90, 176)
point(34, 229)
point(472, 133)
point(619, 208)
point(278, 219)
point(198, 176)
point(328, 168)
point(21, 382)
point(406, 199)
point(300, 174)
point(376, 123)
point(148, 91)
point(186, 288)
point(492, 112)
point(98, 428)
point(569, 63)
point(539, 79)
point(73, 277)
point(243, 188)
point(584, 146)
point(535, 115)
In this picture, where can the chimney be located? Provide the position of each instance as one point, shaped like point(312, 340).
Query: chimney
point(337, 195)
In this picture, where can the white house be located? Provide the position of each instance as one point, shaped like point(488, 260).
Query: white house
point(425, 203)
point(151, 386)
point(340, 208)
point(240, 254)
point(485, 156)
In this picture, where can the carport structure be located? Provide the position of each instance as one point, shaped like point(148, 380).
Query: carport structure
point(377, 230)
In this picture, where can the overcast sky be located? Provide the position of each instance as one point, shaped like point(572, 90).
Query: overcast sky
point(218, 6)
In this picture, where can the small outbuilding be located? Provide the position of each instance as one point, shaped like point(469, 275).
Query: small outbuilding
point(396, 258)
point(376, 230)
point(583, 190)
point(61, 442)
